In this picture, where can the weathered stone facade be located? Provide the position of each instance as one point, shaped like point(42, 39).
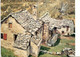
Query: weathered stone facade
point(63, 27)
point(15, 29)
point(24, 27)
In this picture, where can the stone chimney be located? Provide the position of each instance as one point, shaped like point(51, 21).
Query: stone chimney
point(45, 32)
point(34, 11)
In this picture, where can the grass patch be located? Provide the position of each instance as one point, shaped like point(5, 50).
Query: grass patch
point(48, 55)
point(44, 48)
point(7, 53)
point(60, 45)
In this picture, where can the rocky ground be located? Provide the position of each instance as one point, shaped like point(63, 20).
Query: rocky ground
point(17, 52)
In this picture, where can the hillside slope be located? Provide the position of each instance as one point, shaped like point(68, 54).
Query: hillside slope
point(58, 9)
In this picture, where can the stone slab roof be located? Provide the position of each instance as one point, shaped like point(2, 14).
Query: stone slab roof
point(36, 40)
point(25, 19)
point(55, 22)
point(22, 41)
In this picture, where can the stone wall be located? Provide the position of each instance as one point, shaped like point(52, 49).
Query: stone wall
point(66, 32)
point(45, 32)
point(34, 49)
point(16, 28)
point(36, 43)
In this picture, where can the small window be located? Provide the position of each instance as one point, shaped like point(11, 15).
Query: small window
point(62, 32)
point(36, 32)
point(1, 36)
point(63, 26)
point(55, 28)
point(35, 7)
point(32, 35)
point(67, 28)
point(10, 25)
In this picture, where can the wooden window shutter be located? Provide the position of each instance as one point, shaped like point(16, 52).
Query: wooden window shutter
point(5, 36)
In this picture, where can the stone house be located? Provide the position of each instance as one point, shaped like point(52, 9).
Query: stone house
point(15, 28)
point(52, 27)
point(64, 26)
point(47, 33)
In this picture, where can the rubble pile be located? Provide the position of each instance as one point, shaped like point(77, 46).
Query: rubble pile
point(52, 40)
point(67, 51)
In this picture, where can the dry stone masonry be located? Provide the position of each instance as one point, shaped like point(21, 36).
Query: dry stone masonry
point(43, 30)
point(22, 41)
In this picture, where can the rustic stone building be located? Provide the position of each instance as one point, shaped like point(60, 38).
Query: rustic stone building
point(64, 26)
point(17, 26)
point(47, 33)
point(52, 27)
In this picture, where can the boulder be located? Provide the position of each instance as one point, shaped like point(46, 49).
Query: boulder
point(52, 40)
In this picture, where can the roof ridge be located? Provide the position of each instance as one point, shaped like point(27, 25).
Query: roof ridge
point(45, 14)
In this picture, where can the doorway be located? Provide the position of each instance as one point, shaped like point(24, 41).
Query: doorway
point(15, 37)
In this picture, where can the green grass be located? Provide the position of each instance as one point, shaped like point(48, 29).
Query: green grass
point(6, 53)
point(48, 55)
point(63, 44)
point(44, 48)
point(60, 45)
